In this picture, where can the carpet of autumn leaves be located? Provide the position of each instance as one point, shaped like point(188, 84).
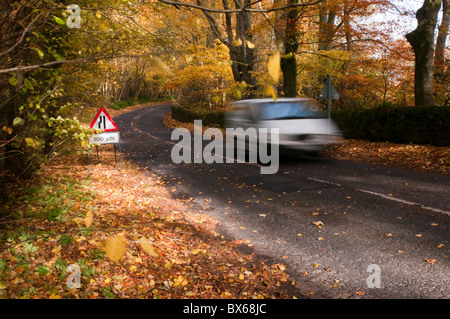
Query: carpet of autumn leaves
point(66, 216)
point(415, 157)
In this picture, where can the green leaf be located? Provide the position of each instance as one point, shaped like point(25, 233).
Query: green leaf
point(18, 121)
point(237, 93)
point(58, 57)
point(40, 53)
point(28, 84)
point(13, 81)
point(58, 20)
point(32, 142)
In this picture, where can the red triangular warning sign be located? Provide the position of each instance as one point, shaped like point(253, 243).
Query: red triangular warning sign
point(103, 121)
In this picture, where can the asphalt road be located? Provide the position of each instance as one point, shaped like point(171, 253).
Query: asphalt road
point(326, 220)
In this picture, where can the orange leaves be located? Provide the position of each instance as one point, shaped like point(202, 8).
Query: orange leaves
point(131, 239)
point(115, 247)
point(420, 157)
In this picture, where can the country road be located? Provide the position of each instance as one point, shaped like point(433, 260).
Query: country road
point(327, 220)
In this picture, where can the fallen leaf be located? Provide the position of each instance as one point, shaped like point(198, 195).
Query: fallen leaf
point(360, 293)
point(318, 223)
point(115, 247)
point(430, 261)
point(197, 250)
point(147, 247)
point(180, 281)
point(88, 219)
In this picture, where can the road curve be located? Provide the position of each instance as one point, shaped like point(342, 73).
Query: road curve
point(344, 229)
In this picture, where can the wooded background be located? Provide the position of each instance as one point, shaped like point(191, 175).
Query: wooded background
point(203, 54)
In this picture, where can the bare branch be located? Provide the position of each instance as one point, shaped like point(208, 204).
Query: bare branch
point(81, 60)
point(245, 8)
point(20, 40)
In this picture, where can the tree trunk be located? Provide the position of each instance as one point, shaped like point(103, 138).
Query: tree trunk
point(241, 55)
point(327, 17)
point(439, 55)
point(288, 60)
point(422, 42)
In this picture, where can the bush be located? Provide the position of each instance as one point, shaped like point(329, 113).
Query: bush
point(418, 125)
point(209, 118)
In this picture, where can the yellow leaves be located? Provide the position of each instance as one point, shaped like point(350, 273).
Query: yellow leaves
point(269, 91)
point(274, 67)
point(237, 42)
point(274, 70)
point(54, 296)
point(115, 247)
point(180, 281)
point(32, 142)
point(147, 247)
point(197, 250)
point(88, 219)
point(3, 285)
point(250, 45)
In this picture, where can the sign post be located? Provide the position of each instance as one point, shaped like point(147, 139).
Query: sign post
point(110, 134)
point(329, 93)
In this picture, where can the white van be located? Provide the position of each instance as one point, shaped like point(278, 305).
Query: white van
point(302, 128)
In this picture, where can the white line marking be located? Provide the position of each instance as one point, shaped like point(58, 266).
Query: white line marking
point(135, 128)
point(436, 210)
point(395, 199)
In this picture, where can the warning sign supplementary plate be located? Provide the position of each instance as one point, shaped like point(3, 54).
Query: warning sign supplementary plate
point(103, 121)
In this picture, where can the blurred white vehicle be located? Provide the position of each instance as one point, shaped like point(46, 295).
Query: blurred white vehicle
point(302, 128)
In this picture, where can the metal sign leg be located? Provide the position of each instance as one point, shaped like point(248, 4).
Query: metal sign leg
point(89, 160)
point(120, 155)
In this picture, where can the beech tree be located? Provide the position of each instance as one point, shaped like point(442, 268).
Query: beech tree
point(422, 42)
point(232, 25)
